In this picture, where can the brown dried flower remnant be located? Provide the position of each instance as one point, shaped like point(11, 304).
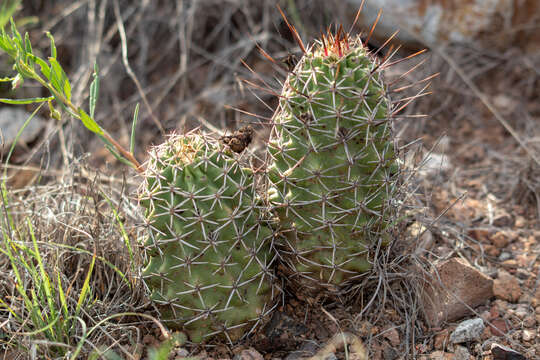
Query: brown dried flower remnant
point(239, 140)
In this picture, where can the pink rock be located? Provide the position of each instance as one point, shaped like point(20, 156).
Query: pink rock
point(506, 287)
point(451, 289)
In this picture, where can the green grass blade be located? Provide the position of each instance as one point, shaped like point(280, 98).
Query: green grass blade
point(62, 296)
point(43, 281)
point(133, 126)
point(86, 287)
point(82, 340)
point(94, 90)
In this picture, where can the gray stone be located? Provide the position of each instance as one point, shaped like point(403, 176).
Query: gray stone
point(461, 352)
point(468, 330)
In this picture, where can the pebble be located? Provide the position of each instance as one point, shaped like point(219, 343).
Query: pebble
point(468, 330)
point(249, 354)
point(500, 352)
point(461, 352)
point(506, 287)
point(528, 335)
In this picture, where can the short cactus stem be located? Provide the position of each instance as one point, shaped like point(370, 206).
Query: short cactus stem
point(333, 164)
point(208, 252)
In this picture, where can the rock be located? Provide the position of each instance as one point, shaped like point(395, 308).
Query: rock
point(500, 239)
point(500, 352)
point(333, 356)
point(441, 21)
point(498, 327)
point(452, 289)
point(528, 335)
point(461, 352)
point(536, 298)
point(249, 354)
point(308, 349)
point(468, 330)
point(520, 221)
point(441, 355)
point(506, 287)
point(522, 311)
point(529, 321)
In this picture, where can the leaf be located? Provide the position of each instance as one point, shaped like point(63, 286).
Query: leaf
point(94, 90)
point(90, 123)
point(14, 31)
point(25, 101)
point(45, 69)
point(59, 78)
point(28, 47)
point(53, 46)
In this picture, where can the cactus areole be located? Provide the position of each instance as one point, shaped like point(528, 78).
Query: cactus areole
point(333, 165)
point(208, 252)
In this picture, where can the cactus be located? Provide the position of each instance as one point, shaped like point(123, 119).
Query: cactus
point(208, 253)
point(333, 164)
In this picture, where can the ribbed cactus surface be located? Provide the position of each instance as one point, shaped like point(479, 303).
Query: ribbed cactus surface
point(333, 163)
point(208, 251)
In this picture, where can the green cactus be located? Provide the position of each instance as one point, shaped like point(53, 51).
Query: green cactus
point(209, 247)
point(334, 166)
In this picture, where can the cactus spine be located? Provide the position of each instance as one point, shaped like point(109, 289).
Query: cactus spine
point(333, 164)
point(209, 249)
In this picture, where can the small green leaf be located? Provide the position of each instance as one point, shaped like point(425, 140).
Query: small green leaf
point(25, 101)
point(27, 44)
point(14, 31)
point(45, 69)
point(53, 46)
point(90, 123)
point(94, 90)
point(59, 78)
point(7, 79)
